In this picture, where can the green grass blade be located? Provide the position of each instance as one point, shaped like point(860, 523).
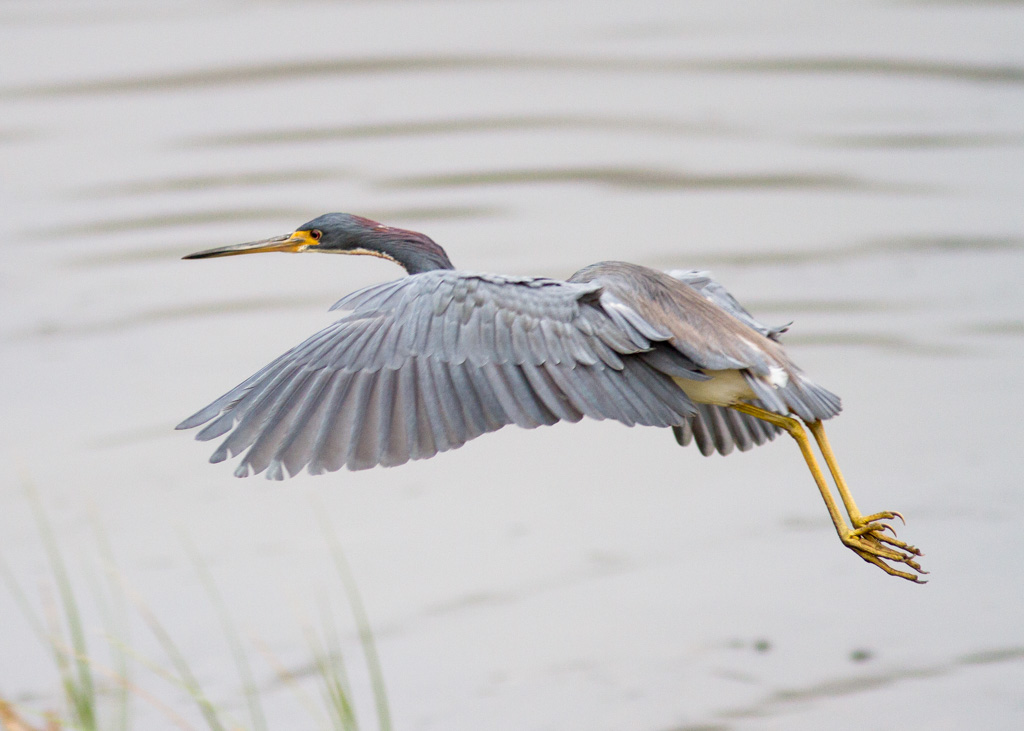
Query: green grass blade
point(330, 668)
point(185, 674)
point(172, 715)
point(50, 640)
point(21, 599)
point(116, 621)
point(362, 621)
point(78, 683)
point(287, 677)
point(251, 690)
point(62, 652)
point(332, 644)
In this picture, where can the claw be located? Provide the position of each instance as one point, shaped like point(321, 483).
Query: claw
point(886, 526)
point(875, 548)
point(884, 515)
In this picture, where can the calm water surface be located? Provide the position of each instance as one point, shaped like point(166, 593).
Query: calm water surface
point(855, 167)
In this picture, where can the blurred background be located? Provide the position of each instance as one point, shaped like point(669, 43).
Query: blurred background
point(857, 167)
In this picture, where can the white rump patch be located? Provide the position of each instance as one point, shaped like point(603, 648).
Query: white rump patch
point(778, 377)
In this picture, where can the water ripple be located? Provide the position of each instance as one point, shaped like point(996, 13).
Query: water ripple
point(818, 306)
point(169, 220)
point(780, 700)
point(856, 251)
point(922, 140)
point(313, 68)
point(454, 125)
point(877, 340)
point(1009, 328)
point(171, 314)
point(644, 178)
point(209, 182)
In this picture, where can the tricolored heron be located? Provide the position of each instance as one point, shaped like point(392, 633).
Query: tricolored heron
point(425, 363)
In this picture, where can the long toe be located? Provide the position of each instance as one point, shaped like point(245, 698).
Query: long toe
point(879, 549)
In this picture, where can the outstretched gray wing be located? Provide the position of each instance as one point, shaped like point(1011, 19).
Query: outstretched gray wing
point(425, 363)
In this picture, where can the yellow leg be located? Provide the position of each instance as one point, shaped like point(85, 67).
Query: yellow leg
point(866, 538)
point(796, 430)
point(818, 430)
point(862, 525)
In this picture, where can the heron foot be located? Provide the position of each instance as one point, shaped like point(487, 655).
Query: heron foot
point(871, 525)
point(869, 541)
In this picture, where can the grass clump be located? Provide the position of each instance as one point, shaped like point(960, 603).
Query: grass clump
point(98, 695)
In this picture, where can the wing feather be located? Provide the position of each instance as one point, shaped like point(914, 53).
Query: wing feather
point(296, 448)
point(702, 433)
point(448, 401)
point(738, 429)
point(331, 442)
point(720, 433)
point(575, 389)
point(325, 417)
point(493, 410)
point(251, 414)
point(719, 295)
point(273, 430)
point(474, 411)
point(717, 428)
point(424, 430)
point(557, 402)
point(428, 401)
point(358, 420)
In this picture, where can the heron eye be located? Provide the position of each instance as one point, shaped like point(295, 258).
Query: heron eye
point(316, 234)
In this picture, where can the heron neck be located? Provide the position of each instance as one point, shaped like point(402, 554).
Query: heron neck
point(415, 252)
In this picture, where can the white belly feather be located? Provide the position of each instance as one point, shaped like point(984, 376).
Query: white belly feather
point(723, 388)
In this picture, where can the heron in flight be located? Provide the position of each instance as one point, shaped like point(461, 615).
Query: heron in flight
point(427, 362)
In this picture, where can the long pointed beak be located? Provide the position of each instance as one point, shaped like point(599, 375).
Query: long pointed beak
point(288, 242)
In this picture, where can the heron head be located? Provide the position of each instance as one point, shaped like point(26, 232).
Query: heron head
point(344, 233)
